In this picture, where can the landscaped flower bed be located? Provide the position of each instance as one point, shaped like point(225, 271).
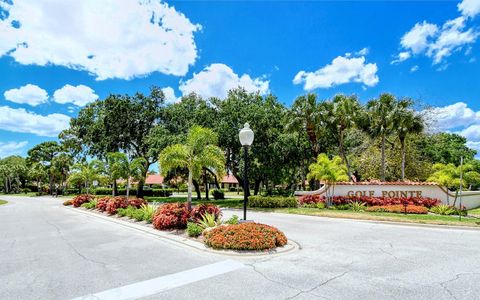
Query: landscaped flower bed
point(245, 236)
point(202, 221)
point(371, 201)
point(80, 199)
point(410, 209)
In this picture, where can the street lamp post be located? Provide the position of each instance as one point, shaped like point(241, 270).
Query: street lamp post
point(246, 139)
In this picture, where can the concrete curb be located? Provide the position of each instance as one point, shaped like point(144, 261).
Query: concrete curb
point(185, 242)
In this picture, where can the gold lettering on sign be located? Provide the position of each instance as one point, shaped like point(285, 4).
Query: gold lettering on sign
point(386, 194)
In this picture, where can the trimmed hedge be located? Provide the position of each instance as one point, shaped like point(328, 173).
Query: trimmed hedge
point(271, 202)
point(218, 194)
point(147, 192)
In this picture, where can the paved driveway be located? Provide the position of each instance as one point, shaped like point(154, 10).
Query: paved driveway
point(50, 252)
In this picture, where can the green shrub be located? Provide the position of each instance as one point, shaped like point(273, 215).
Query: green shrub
point(357, 206)
point(129, 211)
point(233, 220)
point(137, 214)
point(340, 207)
point(218, 194)
point(193, 229)
point(320, 205)
point(271, 202)
point(443, 209)
point(90, 205)
point(121, 212)
point(209, 221)
point(147, 212)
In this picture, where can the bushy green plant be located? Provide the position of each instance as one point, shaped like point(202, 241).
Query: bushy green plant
point(233, 220)
point(357, 206)
point(193, 229)
point(218, 194)
point(122, 212)
point(129, 211)
point(320, 205)
point(340, 207)
point(208, 221)
point(271, 202)
point(147, 212)
point(137, 214)
point(443, 209)
point(90, 205)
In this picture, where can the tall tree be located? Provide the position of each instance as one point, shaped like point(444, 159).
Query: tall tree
point(199, 151)
point(44, 153)
point(345, 113)
point(87, 173)
point(406, 122)
point(62, 164)
point(381, 113)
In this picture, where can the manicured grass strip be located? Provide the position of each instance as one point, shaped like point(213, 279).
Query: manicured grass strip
point(475, 212)
point(380, 216)
point(232, 203)
point(3, 202)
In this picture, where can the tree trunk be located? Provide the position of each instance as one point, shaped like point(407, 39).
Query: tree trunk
point(217, 185)
point(257, 187)
point(402, 142)
point(51, 184)
point(128, 187)
point(344, 156)
point(189, 197)
point(141, 182)
point(383, 158)
point(114, 188)
point(197, 189)
point(206, 183)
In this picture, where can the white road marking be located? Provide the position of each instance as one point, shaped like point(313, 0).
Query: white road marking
point(167, 282)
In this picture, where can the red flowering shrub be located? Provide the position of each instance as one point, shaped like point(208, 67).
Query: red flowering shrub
point(137, 202)
point(200, 210)
point(170, 216)
point(80, 199)
point(102, 203)
point(114, 203)
point(411, 209)
point(382, 201)
point(310, 199)
point(245, 236)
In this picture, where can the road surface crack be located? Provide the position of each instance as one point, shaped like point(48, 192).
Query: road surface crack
point(443, 284)
point(323, 283)
point(73, 247)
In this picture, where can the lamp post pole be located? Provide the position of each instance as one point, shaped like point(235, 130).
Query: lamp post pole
point(246, 139)
point(245, 182)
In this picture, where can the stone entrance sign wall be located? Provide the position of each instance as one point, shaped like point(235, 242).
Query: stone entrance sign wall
point(469, 199)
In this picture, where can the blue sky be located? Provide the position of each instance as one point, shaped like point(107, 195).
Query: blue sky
point(56, 56)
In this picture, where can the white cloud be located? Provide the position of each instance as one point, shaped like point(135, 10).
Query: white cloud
point(475, 146)
point(440, 42)
point(414, 68)
point(217, 79)
point(471, 132)
point(20, 120)
point(469, 8)
point(402, 56)
point(28, 94)
point(11, 148)
point(79, 95)
point(170, 95)
point(109, 39)
point(454, 116)
point(343, 69)
point(362, 52)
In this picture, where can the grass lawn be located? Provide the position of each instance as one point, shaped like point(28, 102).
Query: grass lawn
point(3, 202)
point(382, 216)
point(30, 194)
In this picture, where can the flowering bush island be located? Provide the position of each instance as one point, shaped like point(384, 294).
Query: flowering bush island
point(245, 236)
point(80, 199)
point(202, 209)
point(411, 209)
point(114, 203)
point(171, 216)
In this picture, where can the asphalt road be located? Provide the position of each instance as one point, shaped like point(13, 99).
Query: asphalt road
point(51, 252)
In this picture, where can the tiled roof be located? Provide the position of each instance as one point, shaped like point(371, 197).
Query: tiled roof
point(229, 179)
point(387, 183)
point(154, 179)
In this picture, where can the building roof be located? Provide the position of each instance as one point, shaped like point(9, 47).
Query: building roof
point(229, 179)
point(387, 183)
point(154, 179)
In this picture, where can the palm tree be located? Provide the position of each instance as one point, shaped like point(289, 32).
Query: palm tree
point(344, 116)
point(306, 116)
point(121, 167)
point(62, 164)
point(328, 171)
point(381, 113)
point(87, 173)
point(406, 122)
point(199, 151)
point(37, 172)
